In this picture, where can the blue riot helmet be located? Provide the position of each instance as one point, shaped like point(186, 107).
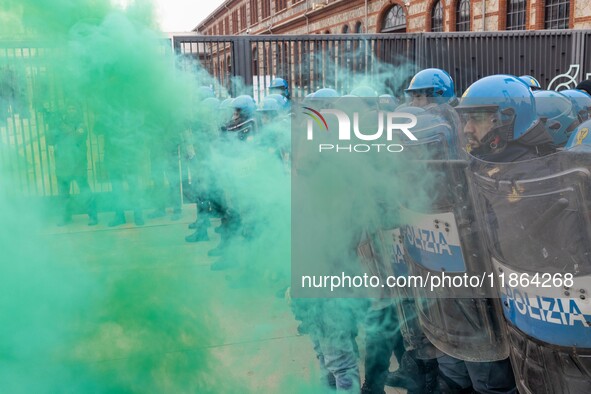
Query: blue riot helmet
point(269, 109)
point(436, 139)
point(269, 104)
point(279, 86)
point(245, 105)
point(325, 97)
point(325, 93)
point(531, 82)
point(364, 91)
point(506, 102)
point(580, 138)
point(243, 122)
point(281, 100)
point(367, 94)
point(433, 83)
point(226, 109)
point(558, 112)
point(581, 101)
point(211, 104)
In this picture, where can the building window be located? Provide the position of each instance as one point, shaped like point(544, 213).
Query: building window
point(345, 29)
point(254, 12)
point(358, 28)
point(215, 30)
point(557, 14)
point(243, 17)
point(516, 15)
point(266, 9)
point(280, 5)
point(463, 16)
point(395, 20)
point(221, 28)
point(234, 21)
point(437, 17)
point(227, 26)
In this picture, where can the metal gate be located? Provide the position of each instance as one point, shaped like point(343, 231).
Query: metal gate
point(246, 64)
point(555, 57)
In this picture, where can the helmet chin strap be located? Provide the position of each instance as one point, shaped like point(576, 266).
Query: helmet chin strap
point(496, 139)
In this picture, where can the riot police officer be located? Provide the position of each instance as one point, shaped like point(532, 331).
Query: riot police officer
point(279, 86)
point(502, 126)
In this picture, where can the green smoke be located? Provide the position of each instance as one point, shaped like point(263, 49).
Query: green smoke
point(93, 311)
point(109, 311)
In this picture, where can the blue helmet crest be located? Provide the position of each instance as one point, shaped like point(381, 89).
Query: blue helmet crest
point(509, 97)
point(581, 137)
point(436, 82)
point(531, 82)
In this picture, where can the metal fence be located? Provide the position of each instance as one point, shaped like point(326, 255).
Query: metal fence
point(557, 58)
point(246, 64)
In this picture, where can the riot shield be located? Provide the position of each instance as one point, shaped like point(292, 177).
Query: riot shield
point(442, 239)
point(536, 214)
point(382, 255)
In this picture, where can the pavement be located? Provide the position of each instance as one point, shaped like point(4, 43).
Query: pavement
point(255, 343)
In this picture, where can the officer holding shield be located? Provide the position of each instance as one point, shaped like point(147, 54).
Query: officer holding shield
point(533, 205)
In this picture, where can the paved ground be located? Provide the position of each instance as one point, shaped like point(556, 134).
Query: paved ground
point(255, 342)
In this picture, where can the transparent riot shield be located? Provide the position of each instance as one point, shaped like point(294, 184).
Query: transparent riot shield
point(536, 216)
point(382, 255)
point(441, 239)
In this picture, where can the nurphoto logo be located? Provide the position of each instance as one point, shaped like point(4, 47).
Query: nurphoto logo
point(393, 124)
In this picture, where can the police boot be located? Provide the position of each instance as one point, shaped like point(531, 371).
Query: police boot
point(118, 220)
point(200, 233)
point(408, 375)
point(430, 370)
point(229, 226)
point(367, 389)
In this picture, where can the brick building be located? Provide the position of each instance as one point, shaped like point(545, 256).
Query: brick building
point(235, 17)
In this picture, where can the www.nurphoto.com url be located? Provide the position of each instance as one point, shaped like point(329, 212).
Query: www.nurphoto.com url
point(441, 280)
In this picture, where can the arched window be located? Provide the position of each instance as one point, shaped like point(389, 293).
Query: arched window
point(557, 13)
point(395, 20)
point(437, 17)
point(463, 16)
point(345, 29)
point(516, 15)
point(326, 31)
point(358, 28)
